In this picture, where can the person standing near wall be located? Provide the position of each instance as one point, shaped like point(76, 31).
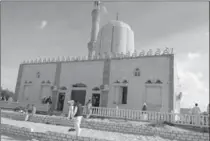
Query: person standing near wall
point(71, 109)
point(33, 110)
point(27, 112)
point(206, 117)
point(78, 114)
point(49, 102)
point(196, 113)
point(144, 109)
point(89, 108)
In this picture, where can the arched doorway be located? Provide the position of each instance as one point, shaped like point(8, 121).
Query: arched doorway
point(78, 92)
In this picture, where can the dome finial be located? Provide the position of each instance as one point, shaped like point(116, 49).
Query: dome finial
point(117, 16)
point(97, 4)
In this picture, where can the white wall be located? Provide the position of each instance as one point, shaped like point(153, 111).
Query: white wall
point(47, 72)
point(46, 91)
point(89, 73)
point(157, 67)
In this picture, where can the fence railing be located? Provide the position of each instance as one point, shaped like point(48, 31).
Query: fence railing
point(137, 115)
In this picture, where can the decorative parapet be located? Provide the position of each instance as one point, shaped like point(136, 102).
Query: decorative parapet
point(27, 83)
point(128, 55)
point(79, 85)
point(44, 83)
point(122, 83)
point(63, 88)
point(96, 89)
point(153, 82)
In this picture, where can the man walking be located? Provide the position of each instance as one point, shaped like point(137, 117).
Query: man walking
point(71, 109)
point(27, 112)
point(78, 114)
point(33, 109)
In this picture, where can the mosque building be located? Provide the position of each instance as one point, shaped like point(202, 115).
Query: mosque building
point(113, 73)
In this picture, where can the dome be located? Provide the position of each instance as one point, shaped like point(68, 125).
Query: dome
point(115, 37)
point(119, 24)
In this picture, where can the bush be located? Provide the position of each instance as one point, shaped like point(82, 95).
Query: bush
point(6, 93)
point(19, 109)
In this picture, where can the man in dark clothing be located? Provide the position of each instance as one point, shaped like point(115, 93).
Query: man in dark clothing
point(144, 109)
point(49, 102)
point(78, 114)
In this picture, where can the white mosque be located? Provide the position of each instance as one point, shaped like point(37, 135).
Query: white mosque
point(113, 74)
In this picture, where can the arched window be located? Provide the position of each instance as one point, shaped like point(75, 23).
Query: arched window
point(137, 72)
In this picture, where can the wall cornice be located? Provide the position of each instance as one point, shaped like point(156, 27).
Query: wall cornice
point(150, 53)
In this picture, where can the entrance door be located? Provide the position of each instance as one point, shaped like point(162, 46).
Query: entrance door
point(78, 95)
point(60, 104)
point(96, 99)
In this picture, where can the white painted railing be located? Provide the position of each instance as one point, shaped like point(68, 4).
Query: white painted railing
point(137, 115)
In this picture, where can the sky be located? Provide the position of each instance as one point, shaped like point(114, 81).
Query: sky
point(51, 29)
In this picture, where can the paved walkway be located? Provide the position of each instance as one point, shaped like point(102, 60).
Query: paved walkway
point(39, 127)
point(8, 137)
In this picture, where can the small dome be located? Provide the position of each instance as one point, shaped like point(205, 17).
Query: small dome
point(119, 24)
point(115, 37)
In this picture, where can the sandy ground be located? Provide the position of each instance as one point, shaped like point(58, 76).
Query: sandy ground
point(39, 127)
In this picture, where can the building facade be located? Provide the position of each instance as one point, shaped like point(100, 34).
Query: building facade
point(113, 74)
point(126, 82)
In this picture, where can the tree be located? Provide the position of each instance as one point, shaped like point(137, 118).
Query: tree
point(6, 93)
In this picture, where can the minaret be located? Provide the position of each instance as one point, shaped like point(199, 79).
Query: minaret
point(95, 28)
